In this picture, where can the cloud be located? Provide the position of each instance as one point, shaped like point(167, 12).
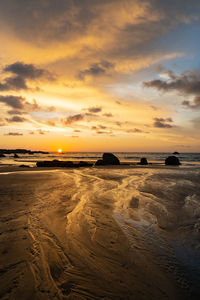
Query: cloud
point(16, 112)
point(19, 103)
point(194, 105)
point(14, 134)
point(21, 73)
point(135, 130)
point(27, 71)
point(15, 119)
point(42, 132)
point(96, 69)
point(51, 123)
point(108, 115)
point(74, 118)
point(13, 101)
point(187, 83)
point(94, 109)
point(162, 123)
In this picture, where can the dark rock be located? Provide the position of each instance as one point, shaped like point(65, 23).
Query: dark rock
point(110, 159)
point(56, 163)
point(85, 164)
point(15, 155)
point(24, 166)
point(143, 161)
point(172, 161)
point(99, 162)
point(176, 153)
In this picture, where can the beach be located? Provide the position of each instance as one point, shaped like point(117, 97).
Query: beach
point(100, 233)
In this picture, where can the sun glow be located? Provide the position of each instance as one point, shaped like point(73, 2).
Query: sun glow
point(59, 150)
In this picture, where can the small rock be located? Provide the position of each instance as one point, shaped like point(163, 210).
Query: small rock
point(143, 161)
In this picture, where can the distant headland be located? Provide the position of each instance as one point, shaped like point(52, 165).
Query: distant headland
point(20, 151)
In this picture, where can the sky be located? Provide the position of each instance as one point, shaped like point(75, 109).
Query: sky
point(100, 75)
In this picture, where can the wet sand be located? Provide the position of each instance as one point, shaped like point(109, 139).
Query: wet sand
point(99, 233)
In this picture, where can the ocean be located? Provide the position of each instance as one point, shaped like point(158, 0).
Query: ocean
point(186, 159)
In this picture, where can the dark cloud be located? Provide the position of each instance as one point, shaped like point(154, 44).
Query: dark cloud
point(16, 112)
point(27, 71)
point(135, 130)
point(13, 101)
point(187, 82)
point(15, 119)
point(21, 106)
point(13, 83)
point(21, 73)
point(96, 69)
point(104, 132)
point(98, 127)
point(162, 123)
point(193, 105)
point(14, 134)
point(94, 109)
point(71, 119)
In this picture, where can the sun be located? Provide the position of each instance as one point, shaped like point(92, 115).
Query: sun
point(59, 150)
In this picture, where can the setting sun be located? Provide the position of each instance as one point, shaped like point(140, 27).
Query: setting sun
point(59, 150)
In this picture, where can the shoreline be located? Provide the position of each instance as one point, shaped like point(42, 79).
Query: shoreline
point(13, 168)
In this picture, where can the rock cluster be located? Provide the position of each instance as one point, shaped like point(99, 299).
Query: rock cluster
point(62, 164)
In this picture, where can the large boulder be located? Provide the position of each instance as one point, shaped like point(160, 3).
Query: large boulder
point(172, 161)
point(143, 161)
point(108, 159)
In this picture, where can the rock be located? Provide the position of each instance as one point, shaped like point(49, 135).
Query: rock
point(56, 163)
point(143, 161)
point(84, 164)
point(99, 162)
point(2, 155)
point(15, 155)
point(110, 159)
point(24, 166)
point(176, 153)
point(172, 161)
